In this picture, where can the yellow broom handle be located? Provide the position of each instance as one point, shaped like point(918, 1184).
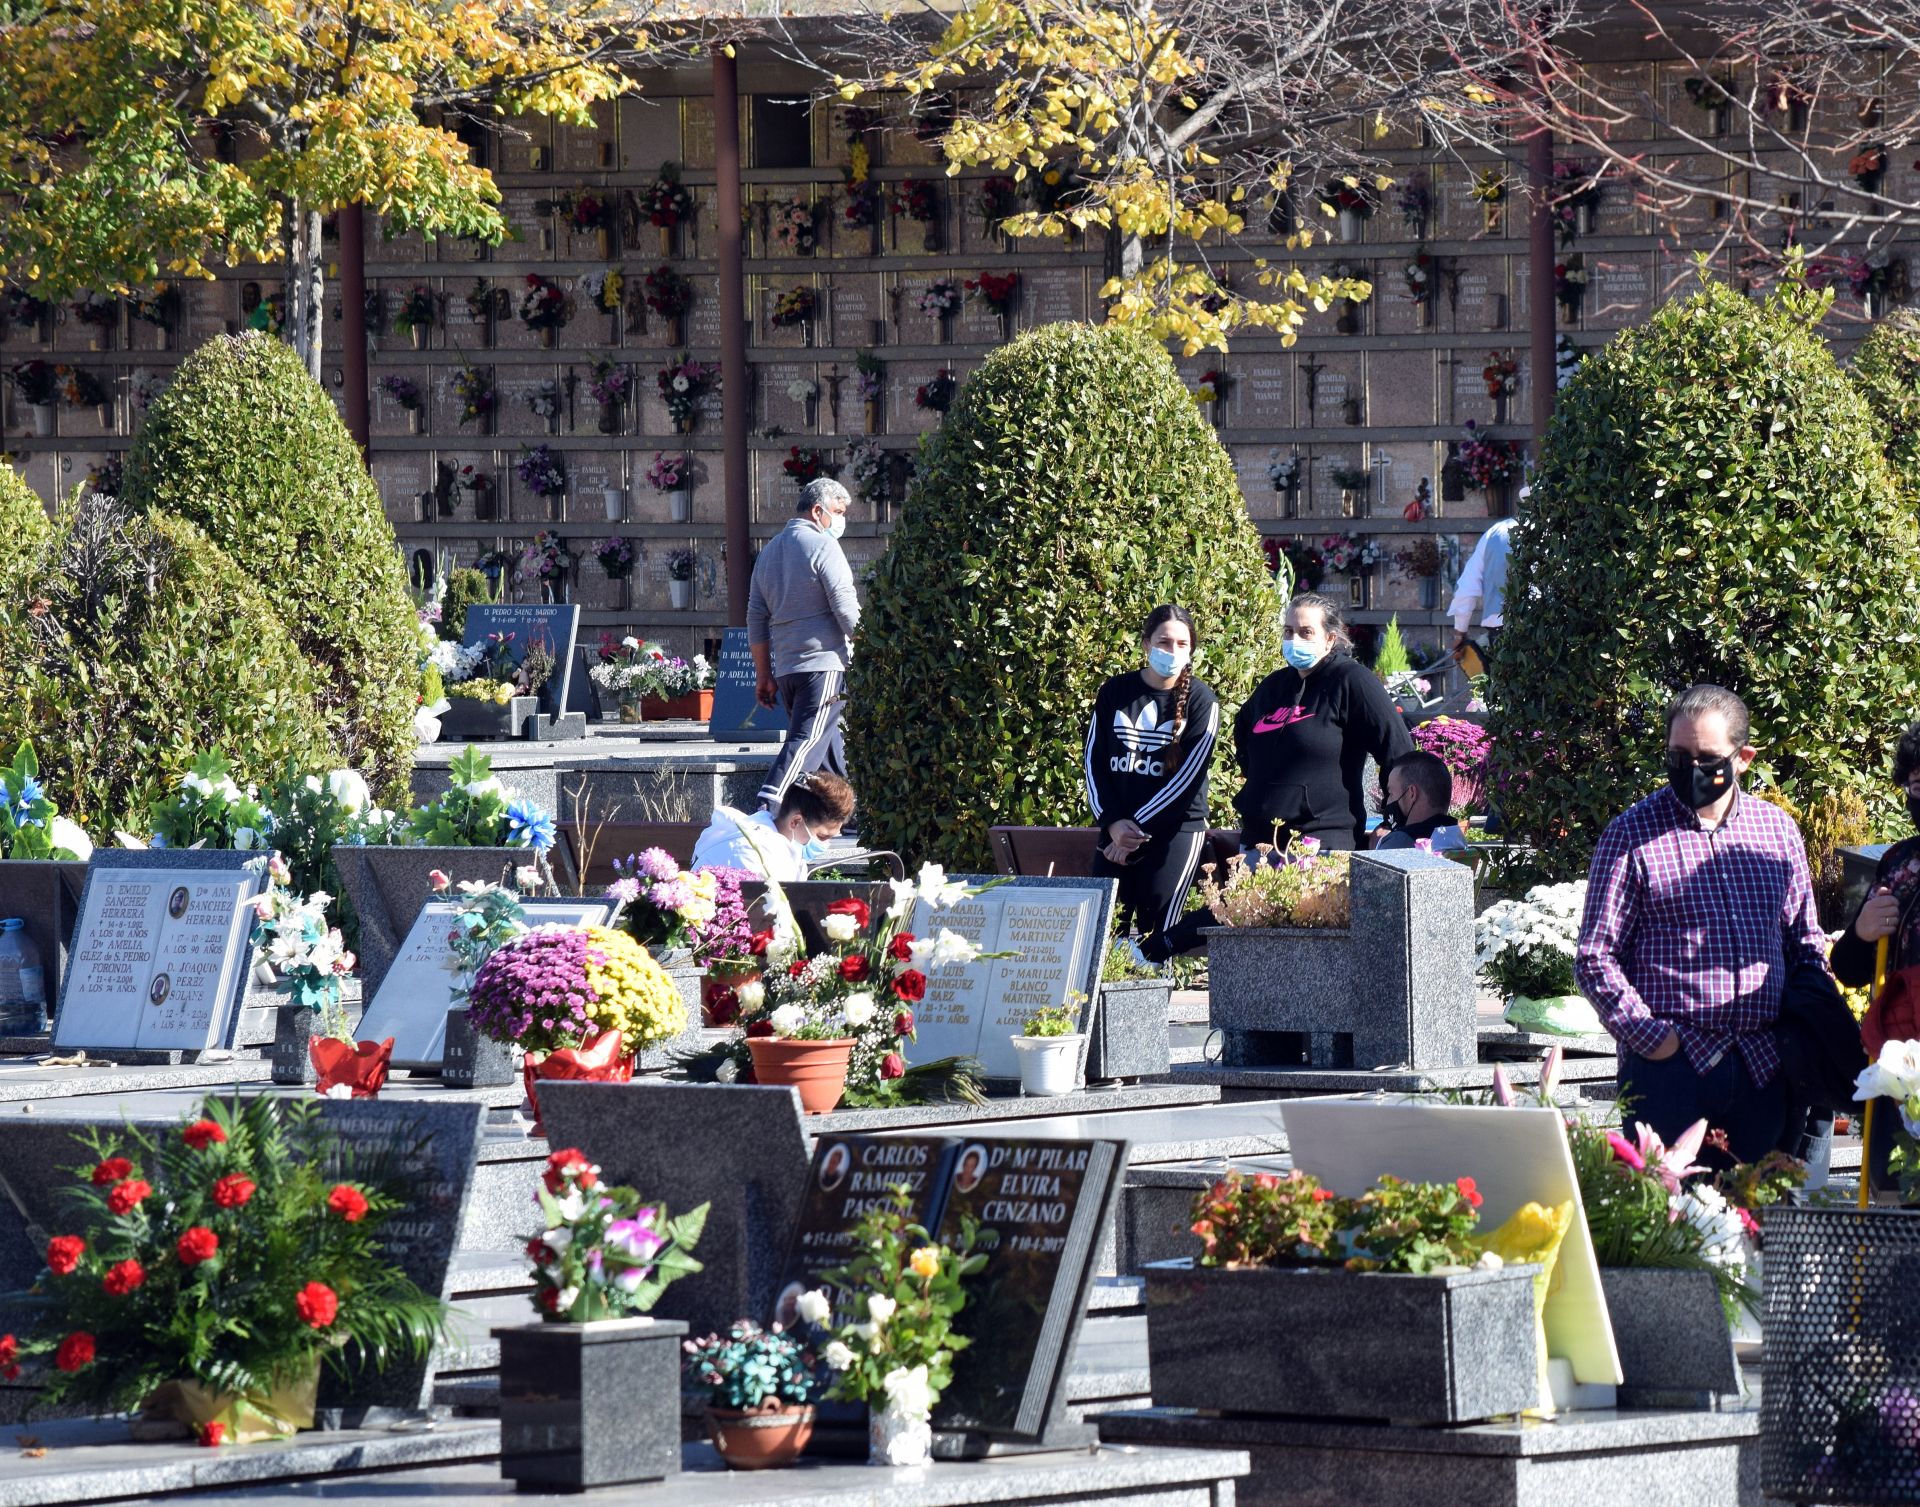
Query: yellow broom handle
point(1866, 1120)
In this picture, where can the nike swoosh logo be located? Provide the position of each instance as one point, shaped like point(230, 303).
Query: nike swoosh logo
point(1273, 722)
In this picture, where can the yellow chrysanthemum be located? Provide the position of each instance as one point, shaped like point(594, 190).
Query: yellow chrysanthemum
point(634, 995)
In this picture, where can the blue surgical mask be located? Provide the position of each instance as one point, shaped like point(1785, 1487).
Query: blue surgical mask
point(837, 524)
point(1166, 663)
point(1301, 655)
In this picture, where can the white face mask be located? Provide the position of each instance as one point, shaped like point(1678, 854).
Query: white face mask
point(1167, 663)
point(836, 524)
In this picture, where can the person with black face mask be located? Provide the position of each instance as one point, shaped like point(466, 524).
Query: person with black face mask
point(1699, 904)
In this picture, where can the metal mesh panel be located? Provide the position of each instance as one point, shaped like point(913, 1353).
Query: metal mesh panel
point(1841, 1422)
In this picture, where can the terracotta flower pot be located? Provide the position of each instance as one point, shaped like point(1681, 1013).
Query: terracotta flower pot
point(604, 1059)
point(816, 1069)
point(360, 1066)
point(695, 706)
point(762, 1439)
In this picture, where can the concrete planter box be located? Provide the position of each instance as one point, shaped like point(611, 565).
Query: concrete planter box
point(585, 1405)
point(468, 721)
point(1394, 989)
point(1328, 1343)
point(388, 886)
point(1128, 1036)
point(45, 895)
point(1675, 1345)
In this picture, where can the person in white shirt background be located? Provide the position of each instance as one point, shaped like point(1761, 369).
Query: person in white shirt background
point(779, 844)
point(1483, 583)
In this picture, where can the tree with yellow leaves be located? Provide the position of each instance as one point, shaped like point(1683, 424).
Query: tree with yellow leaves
point(143, 140)
point(1168, 123)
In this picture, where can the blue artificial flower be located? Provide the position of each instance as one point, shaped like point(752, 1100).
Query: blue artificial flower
point(30, 792)
point(529, 827)
point(158, 840)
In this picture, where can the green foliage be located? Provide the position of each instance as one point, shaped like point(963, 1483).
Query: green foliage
point(244, 445)
point(1711, 504)
point(465, 588)
point(135, 643)
point(1054, 1020)
point(1886, 371)
point(472, 812)
point(231, 1321)
point(23, 518)
point(750, 1366)
point(27, 824)
point(1072, 488)
point(209, 807)
point(1266, 1220)
point(1400, 1226)
point(1391, 658)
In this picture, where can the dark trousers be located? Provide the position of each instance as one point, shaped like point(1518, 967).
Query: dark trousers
point(812, 699)
point(1153, 892)
point(1670, 1096)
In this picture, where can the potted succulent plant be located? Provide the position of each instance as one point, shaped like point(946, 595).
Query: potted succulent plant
point(590, 1395)
point(1049, 1046)
point(760, 1388)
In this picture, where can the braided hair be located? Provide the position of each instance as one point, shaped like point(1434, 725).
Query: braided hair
point(1175, 751)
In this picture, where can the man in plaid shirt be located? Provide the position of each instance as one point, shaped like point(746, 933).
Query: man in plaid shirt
point(1699, 904)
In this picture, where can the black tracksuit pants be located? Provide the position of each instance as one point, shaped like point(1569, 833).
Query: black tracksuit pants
point(1153, 892)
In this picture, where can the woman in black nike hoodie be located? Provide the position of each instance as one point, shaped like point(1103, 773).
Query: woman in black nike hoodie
point(1305, 734)
point(1148, 747)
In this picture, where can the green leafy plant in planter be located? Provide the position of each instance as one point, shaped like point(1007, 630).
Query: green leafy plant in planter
point(129, 643)
point(1122, 967)
point(1401, 1226)
point(208, 808)
point(1305, 888)
point(474, 812)
point(465, 588)
point(1711, 503)
point(1267, 1220)
point(760, 1388)
point(1073, 487)
point(31, 826)
point(1053, 1020)
point(246, 446)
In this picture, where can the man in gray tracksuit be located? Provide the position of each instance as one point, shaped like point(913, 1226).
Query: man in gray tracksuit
point(801, 613)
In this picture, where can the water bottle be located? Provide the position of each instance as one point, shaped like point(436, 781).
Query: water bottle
point(23, 982)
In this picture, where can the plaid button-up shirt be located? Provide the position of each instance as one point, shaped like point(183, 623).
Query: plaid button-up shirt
point(1696, 930)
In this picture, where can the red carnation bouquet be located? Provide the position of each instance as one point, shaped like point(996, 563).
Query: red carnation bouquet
point(208, 1271)
point(865, 985)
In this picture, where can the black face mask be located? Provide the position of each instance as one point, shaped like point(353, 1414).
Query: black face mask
point(1699, 785)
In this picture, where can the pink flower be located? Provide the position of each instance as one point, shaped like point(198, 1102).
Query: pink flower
point(441, 884)
point(1623, 1151)
point(1502, 1089)
point(626, 890)
point(1672, 1164)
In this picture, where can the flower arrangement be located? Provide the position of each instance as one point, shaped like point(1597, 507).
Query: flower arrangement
point(1306, 564)
point(308, 815)
point(484, 301)
point(1348, 479)
point(208, 809)
point(586, 211)
point(1576, 187)
point(1211, 388)
point(1868, 166)
point(1570, 284)
point(682, 562)
point(1486, 462)
point(1501, 374)
point(1420, 559)
point(80, 388)
point(211, 1270)
point(682, 383)
point(868, 467)
point(542, 471)
point(472, 480)
point(1267, 1220)
point(545, 400)
point(1297, 887)
point(474, 812)
point(1347, 193)
point(1283, 471)
point(795, 306)
point(1417, 274)
point(1340, 551)
point(19, 307)
point(996, 200)
point(647, 670)
point(107, 476)
point(1414, 200)
point(869, 376)
point(294, 938)
point(31, 826)
point(614, 556)
point(936, 395)
point(1895, 1075)
point(916, 199)
point(940, 298)
point(546, 558)
point(665, 202)
point(416, 311)
point(1566, 360)
point(1464, 747)
point(1400, 1226)
point(659, 904)
point(560, 987)
point(97, 310)
point(667, 472)
point(1490, 186)
point(802, 390)
point(727, 936)
point(604, 1254)
point(404, 391)
point(667, 293)
point(864, 197)
point(804, 464)
point(37, 382)
point(1708, 93)
point(486, 917)
point(1525, 947)
point(475, 391)
point(158, 306)
point(794, 226)
point(752, 1369)
point(864, 986)
point(610, 383)
point(544, 305)
point(606, 288)
point(894, 1344)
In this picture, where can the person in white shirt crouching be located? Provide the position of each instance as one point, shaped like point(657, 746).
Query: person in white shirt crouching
point(779, 844)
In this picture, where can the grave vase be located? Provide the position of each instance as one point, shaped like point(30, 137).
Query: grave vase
point(680, 505)
point(872, 407)
point(586, 1405)
point(470, 1060)
point(616, 501)
point(681, 593)
point(42, 420)
point(1429, 593)
point(1049, 1065)
point(292, 1039)
point(631, 702)
point(762, 1438)
point(695, 706)
point(816, 1070)
point(894, 1438)
point(605, 1059)
point(1349, 226)
point(1129, 1036)
point(1672, 1334)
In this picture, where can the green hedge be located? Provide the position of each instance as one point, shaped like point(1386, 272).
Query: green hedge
point(137, 644)
point(1711, 504)
point(1886, 369)
point(1073, 487)
point(244, 445)
point(23, 516)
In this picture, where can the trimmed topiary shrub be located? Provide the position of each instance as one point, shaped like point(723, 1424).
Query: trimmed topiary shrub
point(136, 644)
point(1073, 487)
point(1886, 369)
point(465, 588)
point(1711, 504)
point(247, 447)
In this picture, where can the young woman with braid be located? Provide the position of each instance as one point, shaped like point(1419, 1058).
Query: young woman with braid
point(1148, 747)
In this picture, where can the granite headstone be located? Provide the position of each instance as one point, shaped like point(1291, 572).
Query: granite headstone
point(738, 715)
point(411, 1003)
point(160, 951)
point(1056, 927)
point(1042, 1209)
point(552, 627)
point(740, 1149)
point(388, 885)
